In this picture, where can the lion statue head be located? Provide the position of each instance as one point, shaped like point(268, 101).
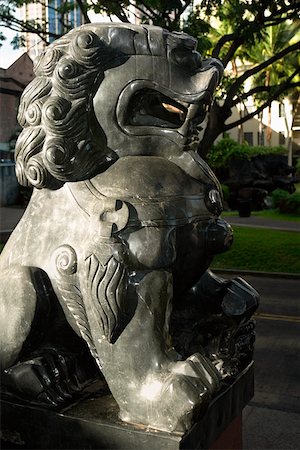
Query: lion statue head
point(104, 91)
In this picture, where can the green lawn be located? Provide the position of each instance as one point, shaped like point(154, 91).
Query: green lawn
point(274, 214)
point(270, 214)
point(262, 250)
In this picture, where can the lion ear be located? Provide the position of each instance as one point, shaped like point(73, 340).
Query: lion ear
point(107, 286)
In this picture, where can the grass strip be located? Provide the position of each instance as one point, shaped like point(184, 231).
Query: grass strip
point(262, 250)
point(268, 214)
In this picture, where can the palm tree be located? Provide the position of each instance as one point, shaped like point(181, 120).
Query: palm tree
point(271, 41)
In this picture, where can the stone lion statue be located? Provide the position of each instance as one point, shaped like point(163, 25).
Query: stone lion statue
point(111, 258)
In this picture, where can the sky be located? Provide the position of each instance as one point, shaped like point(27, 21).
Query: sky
point(7, 55)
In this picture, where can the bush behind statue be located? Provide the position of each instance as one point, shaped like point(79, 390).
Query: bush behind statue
point(250, 172)
point(285, 202)
point(226, 149)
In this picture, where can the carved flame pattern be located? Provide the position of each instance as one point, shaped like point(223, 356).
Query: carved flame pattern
point(72, 297)
point(107, 287)
point(65, 260)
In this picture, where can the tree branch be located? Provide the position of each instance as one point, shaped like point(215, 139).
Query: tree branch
point(259, 89)
point(181, 10)
point(233, 48)
point(284, 11)
point(237, 84)
point(221, 42)
point(114, 8)
point(141, 10)
point(83, 10)
point(152, 11)
point(252, 27)
point(20, 27)
point(282, 88)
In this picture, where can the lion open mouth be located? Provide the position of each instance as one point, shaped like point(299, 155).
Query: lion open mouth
point(149, 107)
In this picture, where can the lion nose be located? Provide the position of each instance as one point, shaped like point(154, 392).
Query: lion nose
point(219, 236)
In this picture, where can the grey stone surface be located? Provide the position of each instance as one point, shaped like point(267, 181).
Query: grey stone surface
point(111, 256)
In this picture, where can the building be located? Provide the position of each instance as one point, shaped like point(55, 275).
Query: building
point(277, 125)
point(283, 120)
point(13, 81)
point(56, 16)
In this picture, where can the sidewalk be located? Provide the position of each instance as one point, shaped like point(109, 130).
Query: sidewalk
point(10, 216)
point(272, 418)
point(262, 222)
point(265, 428)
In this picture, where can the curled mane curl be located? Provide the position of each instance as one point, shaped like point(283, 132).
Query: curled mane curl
point(57, 144)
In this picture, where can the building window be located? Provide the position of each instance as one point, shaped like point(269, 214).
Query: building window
point(281, 112)
point(248, 137)
point(260, 138)
point(281, 139)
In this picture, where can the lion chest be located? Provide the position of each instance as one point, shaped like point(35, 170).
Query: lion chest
point(160, 212)
point(158, 237)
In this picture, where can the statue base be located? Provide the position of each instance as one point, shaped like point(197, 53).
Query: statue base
point(93, 423)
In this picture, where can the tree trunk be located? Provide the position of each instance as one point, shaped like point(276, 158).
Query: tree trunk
point(289, 127)
point(260, 130)
point(269, 125)
point(240, 129)
point(215, 127)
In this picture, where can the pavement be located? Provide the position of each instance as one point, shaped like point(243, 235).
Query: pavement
point(262, 222)
point(272, 419)
point(10, 216)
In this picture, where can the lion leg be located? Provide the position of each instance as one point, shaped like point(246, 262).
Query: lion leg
point(145, 377)
point(221, 309)
point(36, 365)
point(17, 309)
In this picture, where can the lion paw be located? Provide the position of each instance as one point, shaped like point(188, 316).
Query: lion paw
point(173, 401)
point(49, 379)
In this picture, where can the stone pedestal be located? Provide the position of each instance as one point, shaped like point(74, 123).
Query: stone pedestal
point(92, 423)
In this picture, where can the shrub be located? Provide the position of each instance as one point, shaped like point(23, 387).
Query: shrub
point(224, 150)
point(225, 190)
point(278, 195)
point(287, 203)
point(293, 203)
point(298, 167)
point(221, 152)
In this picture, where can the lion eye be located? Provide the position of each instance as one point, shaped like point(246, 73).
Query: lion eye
point(190, 60)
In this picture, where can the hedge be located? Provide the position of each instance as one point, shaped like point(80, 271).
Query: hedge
point(226, 149)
